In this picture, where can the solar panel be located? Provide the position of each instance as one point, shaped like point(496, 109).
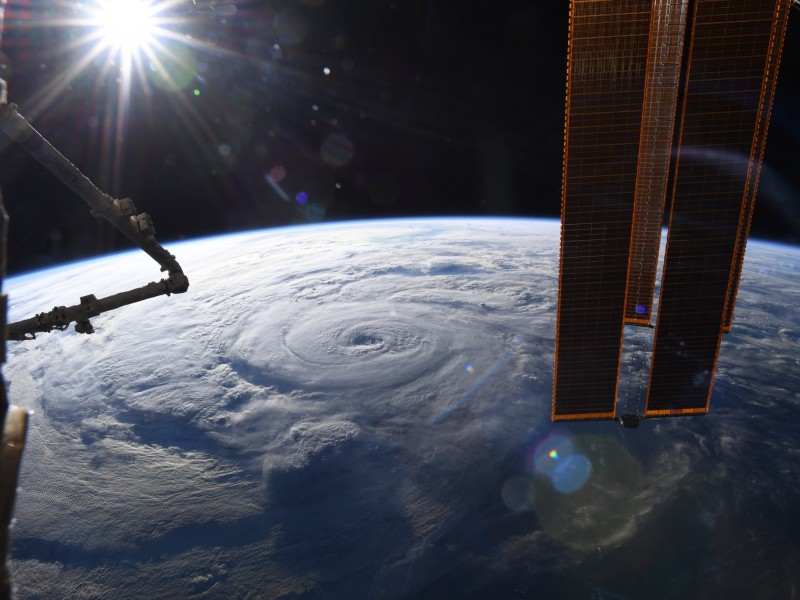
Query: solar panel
point(664, 57)
point(605, 87)
point(726, 104)
point(759, 141)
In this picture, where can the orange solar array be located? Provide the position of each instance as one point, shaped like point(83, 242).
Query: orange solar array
point(664, 57)
point(624, 67)
point(605, 88)
point(757, 153)
point(730, 81)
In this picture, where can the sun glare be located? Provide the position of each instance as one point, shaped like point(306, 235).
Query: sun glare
point(118, 53)
point(126, 25)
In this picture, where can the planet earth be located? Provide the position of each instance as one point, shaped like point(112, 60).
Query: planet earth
point(362, 410)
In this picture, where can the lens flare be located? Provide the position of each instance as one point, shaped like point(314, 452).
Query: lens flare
point(570, 475)
point(458, 403)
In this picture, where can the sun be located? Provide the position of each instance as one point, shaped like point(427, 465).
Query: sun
point(122, 40)
point(126, 26)
point(119, 55)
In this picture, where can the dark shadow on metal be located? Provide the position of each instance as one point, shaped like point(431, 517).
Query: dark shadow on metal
point(630, 420)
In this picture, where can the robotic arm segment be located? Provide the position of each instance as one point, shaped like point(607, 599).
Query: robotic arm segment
point(121, 213)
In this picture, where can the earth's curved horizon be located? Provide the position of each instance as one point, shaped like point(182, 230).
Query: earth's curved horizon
point(362, 409)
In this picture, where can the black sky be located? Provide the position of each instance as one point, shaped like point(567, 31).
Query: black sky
point(429, 108)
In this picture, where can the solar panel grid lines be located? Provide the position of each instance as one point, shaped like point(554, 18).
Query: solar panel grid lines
point(607, 53)
point(568, 96)
point(624, 67)
point(710, 199)
point(777, 35)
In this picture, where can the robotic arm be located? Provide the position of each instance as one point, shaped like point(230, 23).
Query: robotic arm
point(120, 213)
point(136, 227)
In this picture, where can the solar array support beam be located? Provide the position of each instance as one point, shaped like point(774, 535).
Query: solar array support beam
point(664, 57)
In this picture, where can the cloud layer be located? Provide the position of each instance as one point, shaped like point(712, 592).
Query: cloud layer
point(339, 409)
